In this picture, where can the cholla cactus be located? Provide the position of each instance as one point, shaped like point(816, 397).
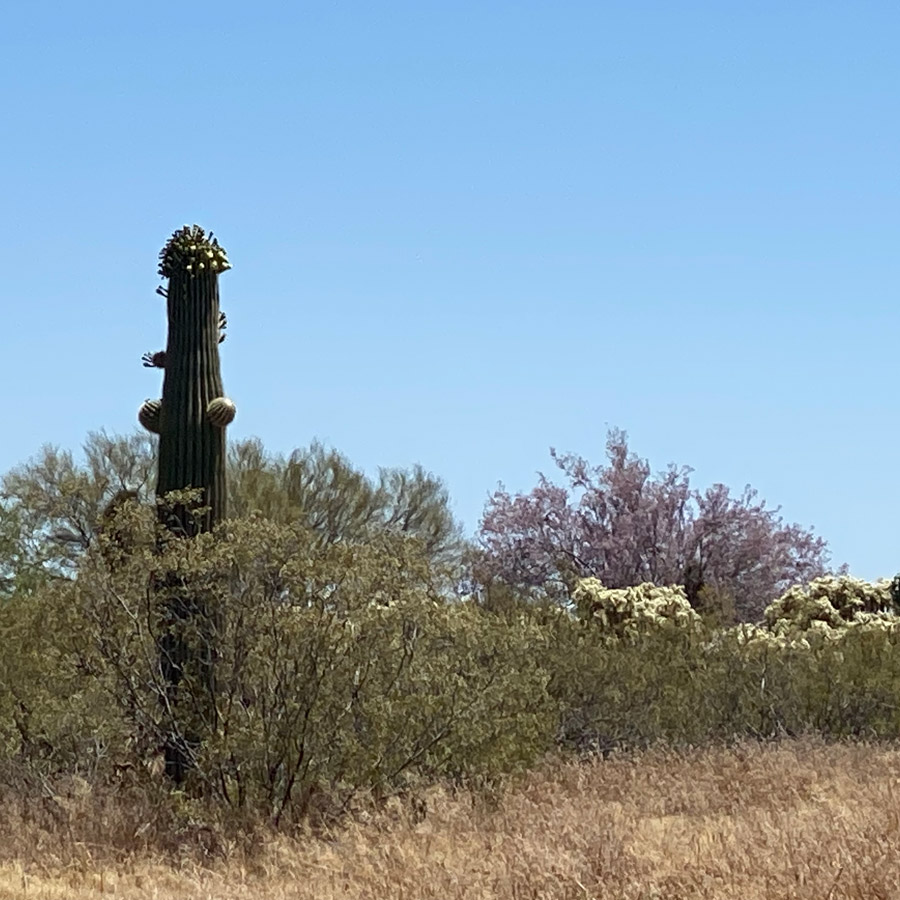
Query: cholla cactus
point(748, 639)
point(813, 616)
point(629, 612)
point(830, 602)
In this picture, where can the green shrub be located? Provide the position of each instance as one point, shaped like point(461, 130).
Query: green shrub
point(636, 668)
point(347, 668)
point(338, 668)
point(54, 715)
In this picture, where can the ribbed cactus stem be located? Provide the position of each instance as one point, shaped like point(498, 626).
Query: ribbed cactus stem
point(190, 420)
point(192, 443)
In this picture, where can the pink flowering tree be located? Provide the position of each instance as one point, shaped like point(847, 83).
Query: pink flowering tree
point(625, 526)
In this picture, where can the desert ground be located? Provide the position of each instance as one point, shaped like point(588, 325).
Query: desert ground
point(798, 819)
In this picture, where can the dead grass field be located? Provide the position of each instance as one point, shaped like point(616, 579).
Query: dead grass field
point(793, 820)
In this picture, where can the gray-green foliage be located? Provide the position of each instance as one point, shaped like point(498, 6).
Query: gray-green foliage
point(319, 488)
point(680, 688)
point(340, 664)
point(55, 714)
point(827, 660)
point(56, 502)
point(53, 506)
point(13, 568)
point(339, 667)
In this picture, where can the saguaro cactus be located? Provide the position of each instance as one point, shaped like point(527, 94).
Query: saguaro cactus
point(190, 420)
point(193, 412)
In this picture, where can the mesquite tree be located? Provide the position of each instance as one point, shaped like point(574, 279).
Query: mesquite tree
point(625, 526)
point(190, 420)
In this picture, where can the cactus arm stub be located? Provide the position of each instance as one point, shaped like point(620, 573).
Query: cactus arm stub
point(154, 360)
point(221, 411)
point(149, 415)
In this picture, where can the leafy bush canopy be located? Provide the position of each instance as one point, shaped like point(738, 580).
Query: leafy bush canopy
point(339, 667)
point(622, 525)
point(53, 507)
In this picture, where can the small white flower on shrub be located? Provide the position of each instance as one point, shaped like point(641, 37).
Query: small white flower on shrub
point(628, 612)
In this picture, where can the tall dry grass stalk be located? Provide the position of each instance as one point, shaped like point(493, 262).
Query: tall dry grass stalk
point(794, 820)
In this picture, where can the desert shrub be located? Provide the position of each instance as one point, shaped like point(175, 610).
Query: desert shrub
point(338, 668)
point(621, 693)
point(672, 688)
point(53, 716)
point(635, 668)
point(53, 506)
point(346, 668)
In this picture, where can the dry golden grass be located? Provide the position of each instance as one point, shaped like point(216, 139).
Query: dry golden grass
point(798, 820)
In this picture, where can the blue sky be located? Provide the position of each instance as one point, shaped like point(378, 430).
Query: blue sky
point(463, 233)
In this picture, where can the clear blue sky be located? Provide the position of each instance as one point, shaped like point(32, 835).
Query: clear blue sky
point(465, 232)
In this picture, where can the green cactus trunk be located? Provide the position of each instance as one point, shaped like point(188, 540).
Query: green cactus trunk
point(190, 421)
point(194, 411)
point(191, 448)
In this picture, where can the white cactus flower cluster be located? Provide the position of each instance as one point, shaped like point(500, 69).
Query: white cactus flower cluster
point(190, 249)
point(633, 611)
